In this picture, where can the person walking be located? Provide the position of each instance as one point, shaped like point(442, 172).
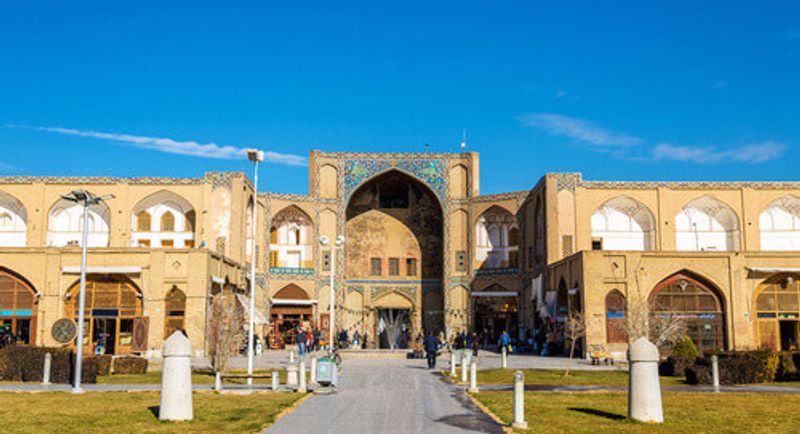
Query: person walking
point(431, 347)
point(504, 341)
point(474, 344)
point(301, 343)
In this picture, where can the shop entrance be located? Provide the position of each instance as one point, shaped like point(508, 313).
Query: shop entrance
point(789, 334)
point(104, 332)
point(394, 328)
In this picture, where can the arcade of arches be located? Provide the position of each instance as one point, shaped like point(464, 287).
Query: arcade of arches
point(778, 312)
point(394, 244)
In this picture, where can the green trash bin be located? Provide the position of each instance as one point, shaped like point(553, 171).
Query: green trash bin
point(326, 371)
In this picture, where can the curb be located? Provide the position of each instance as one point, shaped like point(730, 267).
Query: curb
point(286, 411)
point(504, 426)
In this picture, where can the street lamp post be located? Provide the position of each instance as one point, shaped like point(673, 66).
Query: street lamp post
point(256, 157)
point(323, 240)
point(86, 199)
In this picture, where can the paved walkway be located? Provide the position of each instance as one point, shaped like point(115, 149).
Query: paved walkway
point(388, 396)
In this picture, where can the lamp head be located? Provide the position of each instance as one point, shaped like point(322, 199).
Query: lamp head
point(255, 155)
point(340, 240)
point(324, 240)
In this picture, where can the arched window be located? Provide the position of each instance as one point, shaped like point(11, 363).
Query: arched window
point(167, 222)
point(777, 311)
point(513, 236)
point(615, 318)
point(497, 239)
point(13, 221)
point(623, 223)
point(175, 311)
point(18, 307)
point(780, 225)
point(697, 303)
point(191, 220)
point(290, 247)
point(706, 224)
point(143, 222)
point(65, 224)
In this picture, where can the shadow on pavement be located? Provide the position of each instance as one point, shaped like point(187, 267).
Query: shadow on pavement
point(471, 422)
point(599, 413)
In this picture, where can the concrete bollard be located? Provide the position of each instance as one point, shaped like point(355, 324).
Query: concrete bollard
point(644, 389)
point(473, 377)
point(218, 381)
point(464, 368)
point(313, 379)
point(452, 364)
point(504, 357)
point(302, 388)
point(715, 372)
point(291, 376)
point(276, 381)
point(519, 401)
point(176, 379)
point(48, 361)
point(291, 356)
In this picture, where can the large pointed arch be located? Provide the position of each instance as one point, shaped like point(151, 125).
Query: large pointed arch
point(291, 240)
point(779, 225)
point(13, 221)
point(163, 219)
point(624, 223)
point(65, 224)
point(707, 223)
point(19, 305)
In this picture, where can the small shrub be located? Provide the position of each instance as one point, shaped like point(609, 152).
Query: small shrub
point(24, 363)
point(130, 365)
point(738, 367)
point(104, 364)
point(675, 366)
point(685, 348)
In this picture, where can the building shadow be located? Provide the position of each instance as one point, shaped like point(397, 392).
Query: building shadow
point(154, 409)
point(598, 413)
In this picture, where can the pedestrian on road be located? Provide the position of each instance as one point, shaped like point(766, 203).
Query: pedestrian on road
point(504, 341)
point(301, 343)
point(474, 344)
point(431, 347)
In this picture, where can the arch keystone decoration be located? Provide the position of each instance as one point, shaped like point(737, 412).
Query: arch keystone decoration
point(430, 172)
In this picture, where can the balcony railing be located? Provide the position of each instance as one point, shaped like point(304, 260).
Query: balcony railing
point(291, 270)
point(496, 271)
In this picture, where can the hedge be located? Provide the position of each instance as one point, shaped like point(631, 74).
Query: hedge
point(24, 363)
point(675, 366)
point(737, 367)
point(130, 365)
point(104, 364)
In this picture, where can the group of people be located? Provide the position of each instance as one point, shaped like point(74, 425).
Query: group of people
point(7, 337)
point(344, 342)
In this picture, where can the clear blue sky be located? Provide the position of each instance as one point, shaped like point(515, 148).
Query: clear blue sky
point(618, 90)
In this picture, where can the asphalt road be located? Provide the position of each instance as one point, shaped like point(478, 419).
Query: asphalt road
point(388, 396)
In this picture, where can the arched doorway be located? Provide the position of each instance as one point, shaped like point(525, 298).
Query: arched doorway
point(291, 308)
point(394, 320)
point(112, 310)
point(495, 310)
point(394, 236)
point(18, 306)
point(697, 303)
point(616, 307)
point(778, 312)
point(174, 312)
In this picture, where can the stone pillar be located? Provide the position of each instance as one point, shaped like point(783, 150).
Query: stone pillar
point(464, 368)
point(276, 381)
point(519, 401)
point(291, 375)
point(313, 369)
point(715, 372)
point(176, 379)
point(218, 381)
point(48, 361)
point(302, 388)
point(644, 389)
point(504, 357)
point(291, 357)
point(473, 376)
point(452, 364)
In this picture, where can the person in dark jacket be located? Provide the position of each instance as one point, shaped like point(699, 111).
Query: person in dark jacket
point(431, 347)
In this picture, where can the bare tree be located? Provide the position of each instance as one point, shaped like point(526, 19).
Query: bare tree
point(225, 331)
point(574, 329)
point(643, 318)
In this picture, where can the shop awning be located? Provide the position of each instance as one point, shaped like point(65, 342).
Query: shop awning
point(494, 294)
point(773, 270)
point(292, 302)
point(103, 270)
point(259, 318)
point(218, 280)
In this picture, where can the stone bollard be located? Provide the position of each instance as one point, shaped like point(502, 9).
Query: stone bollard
point(504, 357)
point(276, 381)
point(644, 389)
point(519, 401)
point(464, 368)
point(452, 364)
point(291, 376)
point(48, 361)
point(715, 372)
point(176, 379)
point(473, 376)
point(291, 357)
point(302, 388)
point(313, 379)
point(218, 381)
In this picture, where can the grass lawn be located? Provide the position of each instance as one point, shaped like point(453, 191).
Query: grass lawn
point(556, 377)
point(136, 412)
point(683, 412)
point(154, 377)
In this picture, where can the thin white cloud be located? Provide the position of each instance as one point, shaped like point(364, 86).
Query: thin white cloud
point(721, 84)
point(560, 94)
point(578, 129)
point(751, 153)
point(170, 146)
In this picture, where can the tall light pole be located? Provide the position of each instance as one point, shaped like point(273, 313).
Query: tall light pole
point(256, 157)
point(86, 199)
point(323, 240)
